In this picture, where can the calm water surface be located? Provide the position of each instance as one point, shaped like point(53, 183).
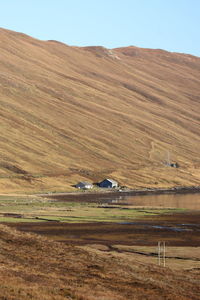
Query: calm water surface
point(188, 201)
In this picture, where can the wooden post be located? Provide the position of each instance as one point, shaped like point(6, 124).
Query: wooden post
point(164, 254)
point(161, 253)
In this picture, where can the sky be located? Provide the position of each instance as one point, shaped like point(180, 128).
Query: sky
point(172, 25)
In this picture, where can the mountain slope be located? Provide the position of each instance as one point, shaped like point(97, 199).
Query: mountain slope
point(70, 113)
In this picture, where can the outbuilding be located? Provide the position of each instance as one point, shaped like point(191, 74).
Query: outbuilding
point(108, 183)
point(84, 185)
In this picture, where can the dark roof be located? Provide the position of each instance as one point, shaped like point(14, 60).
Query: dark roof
point(110, 180)
point(84, 183)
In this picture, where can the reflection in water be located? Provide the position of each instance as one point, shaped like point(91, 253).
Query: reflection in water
point(189, 201)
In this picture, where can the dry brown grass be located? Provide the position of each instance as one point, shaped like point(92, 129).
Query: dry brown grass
point(33, 267)
point(70, 113)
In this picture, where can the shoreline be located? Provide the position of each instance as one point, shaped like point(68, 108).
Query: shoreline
point(131, 192)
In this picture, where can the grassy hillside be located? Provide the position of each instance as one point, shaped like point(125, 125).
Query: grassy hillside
point(33, 267)
point(70, 113)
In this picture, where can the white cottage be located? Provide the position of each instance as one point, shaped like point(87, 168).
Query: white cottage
point(84, 185)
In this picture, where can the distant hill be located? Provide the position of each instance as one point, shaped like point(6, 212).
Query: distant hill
point(70, 113)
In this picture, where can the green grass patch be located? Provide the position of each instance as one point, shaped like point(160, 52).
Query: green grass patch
point(37, 209)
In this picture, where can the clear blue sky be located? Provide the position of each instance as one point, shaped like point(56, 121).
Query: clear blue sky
point(172, 25)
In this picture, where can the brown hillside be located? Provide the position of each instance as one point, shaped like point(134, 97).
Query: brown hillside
point(33, 267)
point(70, 113)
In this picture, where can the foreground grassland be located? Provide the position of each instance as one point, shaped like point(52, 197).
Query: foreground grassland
point(73, 250)
point(34, 267)
point(36, 209)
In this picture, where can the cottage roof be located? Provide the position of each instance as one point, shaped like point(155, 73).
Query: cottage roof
point(112, 181)
point(85, 183)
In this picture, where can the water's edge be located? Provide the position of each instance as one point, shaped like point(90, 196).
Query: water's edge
point(147, 191)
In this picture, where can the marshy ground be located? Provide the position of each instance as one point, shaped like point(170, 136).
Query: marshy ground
point(106, 226)
point(65, 249)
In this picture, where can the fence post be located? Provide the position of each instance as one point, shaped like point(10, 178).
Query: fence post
point(161, 253)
